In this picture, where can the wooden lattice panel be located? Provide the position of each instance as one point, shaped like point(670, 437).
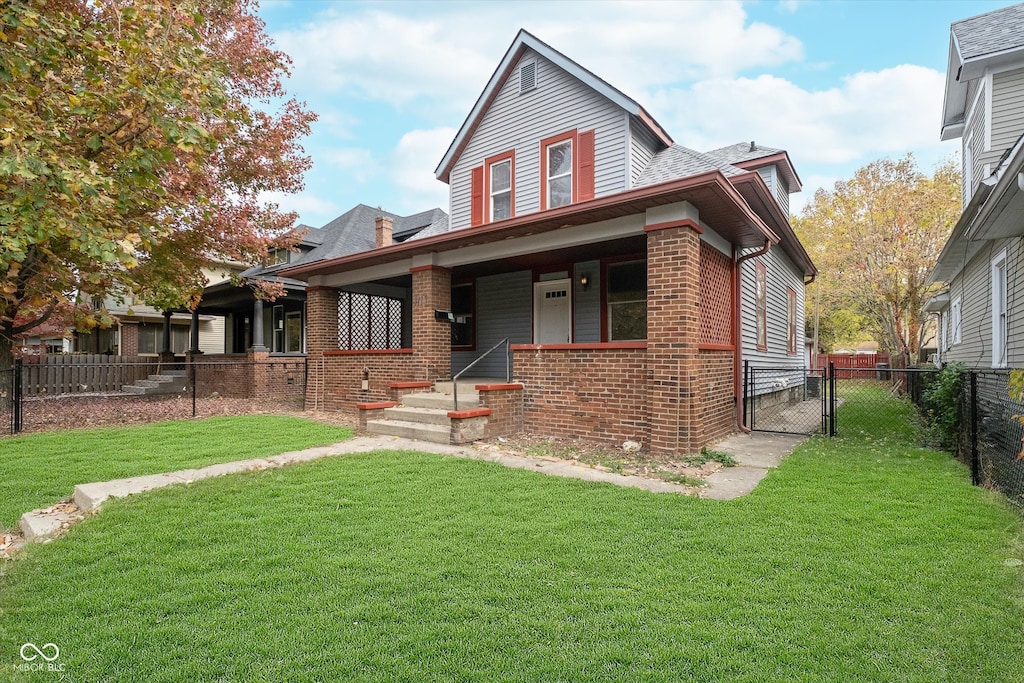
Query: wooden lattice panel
point(715, 296)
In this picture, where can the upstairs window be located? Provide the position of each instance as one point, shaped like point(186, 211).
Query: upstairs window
point(566, 169)
point(500, 199)
point(559, 166)
point(492, 189)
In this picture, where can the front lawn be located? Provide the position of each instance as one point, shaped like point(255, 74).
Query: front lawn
point(38, 470)
point(864, 558)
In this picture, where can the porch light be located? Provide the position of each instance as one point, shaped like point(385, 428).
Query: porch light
point(585, 281)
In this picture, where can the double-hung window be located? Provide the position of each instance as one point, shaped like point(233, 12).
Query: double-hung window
point(627, 301)
point(954, 322)
point(558, 160)
point(790, 322)
point(761, 305)
point(500, 181)
point(999, 312)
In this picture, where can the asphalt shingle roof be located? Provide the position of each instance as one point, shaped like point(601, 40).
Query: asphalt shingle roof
point(741, 152)
point(681, 162)
point(991, 32)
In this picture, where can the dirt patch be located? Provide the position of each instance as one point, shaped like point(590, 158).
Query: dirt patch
point(690, 471)
point(57, 413)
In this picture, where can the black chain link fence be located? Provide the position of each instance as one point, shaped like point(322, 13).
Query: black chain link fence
point(990, 435)
point(40, 397)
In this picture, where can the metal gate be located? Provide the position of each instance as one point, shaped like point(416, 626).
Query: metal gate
point(787, 400)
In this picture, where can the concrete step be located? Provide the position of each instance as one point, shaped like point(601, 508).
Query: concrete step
point(166, 384)
point(467, 401)
point(410, 430)
point(433, 416)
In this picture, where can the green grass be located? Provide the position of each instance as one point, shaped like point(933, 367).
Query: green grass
point(863, 558)
point(39, 470)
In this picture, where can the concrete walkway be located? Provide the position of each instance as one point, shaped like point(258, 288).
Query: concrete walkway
point(755, 453)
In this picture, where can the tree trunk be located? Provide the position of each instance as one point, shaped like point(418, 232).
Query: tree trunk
point(6, 344)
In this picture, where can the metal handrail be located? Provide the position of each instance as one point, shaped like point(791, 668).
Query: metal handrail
point(508, 369)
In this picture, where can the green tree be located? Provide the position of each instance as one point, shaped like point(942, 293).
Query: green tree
point(135, 140)
point(875, 237)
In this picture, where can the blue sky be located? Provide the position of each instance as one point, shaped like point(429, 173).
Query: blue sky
point(837, 84)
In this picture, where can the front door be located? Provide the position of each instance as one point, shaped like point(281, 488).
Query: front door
point(552, 312)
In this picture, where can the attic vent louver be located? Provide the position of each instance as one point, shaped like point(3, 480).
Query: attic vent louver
point(527, 77)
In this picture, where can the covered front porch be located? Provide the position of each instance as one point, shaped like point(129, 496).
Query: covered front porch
point(617, 330)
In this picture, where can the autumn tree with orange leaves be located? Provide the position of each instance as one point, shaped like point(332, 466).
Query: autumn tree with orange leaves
point(136, 138)
point(875, 238)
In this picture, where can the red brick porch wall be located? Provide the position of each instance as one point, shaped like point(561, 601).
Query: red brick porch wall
point(589, 392)
point(717, 409)
point(336, 383)
point(255, 375)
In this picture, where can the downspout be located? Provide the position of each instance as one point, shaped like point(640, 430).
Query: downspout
point(737, 330)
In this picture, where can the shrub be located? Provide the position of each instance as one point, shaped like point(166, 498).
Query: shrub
point(940, 403)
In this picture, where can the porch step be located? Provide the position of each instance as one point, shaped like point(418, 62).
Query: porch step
point(410, 430)
point(167, 382)
point(431, 416)
point(467, 400)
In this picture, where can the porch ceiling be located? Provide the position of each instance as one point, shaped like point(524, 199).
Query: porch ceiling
point(720, 205)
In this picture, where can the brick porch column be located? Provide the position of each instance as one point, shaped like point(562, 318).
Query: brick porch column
point(673, 335)
point(431, 338)
point(321, 335)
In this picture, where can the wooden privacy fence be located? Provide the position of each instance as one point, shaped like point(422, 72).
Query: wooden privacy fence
point(83, 373)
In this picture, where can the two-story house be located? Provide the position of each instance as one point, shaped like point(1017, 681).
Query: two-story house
point(982, 313)
point(630, 276)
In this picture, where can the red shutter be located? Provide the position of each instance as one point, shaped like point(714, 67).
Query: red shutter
point(585, 155)
point(476, 213)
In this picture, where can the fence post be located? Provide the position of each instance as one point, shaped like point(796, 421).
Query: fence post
point(831, 398)
point(975, 460)
point(16, 396)
point(192, 367)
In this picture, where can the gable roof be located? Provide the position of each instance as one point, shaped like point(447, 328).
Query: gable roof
point(523, 41)
point(751, 156)
point(985, 41)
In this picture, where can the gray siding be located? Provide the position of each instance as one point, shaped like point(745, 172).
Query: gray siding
point(587, 303)
point(974, 286)
point(1007, 110)
point(504, 308)
point(559, 103)
point(781, 275)
point(777, 184)
point(642, 148)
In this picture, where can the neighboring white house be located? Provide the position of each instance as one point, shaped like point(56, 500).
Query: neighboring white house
point(982, 313)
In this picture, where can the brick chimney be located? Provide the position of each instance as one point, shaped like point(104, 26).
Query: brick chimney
point(383, 224)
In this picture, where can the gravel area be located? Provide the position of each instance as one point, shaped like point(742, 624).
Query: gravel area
point(70, 412)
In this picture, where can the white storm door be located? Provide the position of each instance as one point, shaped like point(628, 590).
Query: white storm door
point(552, 312)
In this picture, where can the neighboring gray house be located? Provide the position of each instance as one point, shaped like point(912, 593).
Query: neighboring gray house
point(281, 324)
point(981, 315)
point(631, 275)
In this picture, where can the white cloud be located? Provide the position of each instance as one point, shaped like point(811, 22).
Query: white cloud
point(445, 54)
point(869, 114)
point(359, 164)
point(412, 169)
point(303, 203)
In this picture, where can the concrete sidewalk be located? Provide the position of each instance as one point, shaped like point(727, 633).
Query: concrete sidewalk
point(756, 454)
